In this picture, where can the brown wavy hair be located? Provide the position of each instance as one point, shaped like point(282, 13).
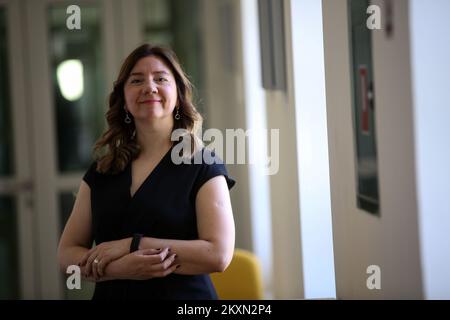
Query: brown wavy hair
point(117, 146)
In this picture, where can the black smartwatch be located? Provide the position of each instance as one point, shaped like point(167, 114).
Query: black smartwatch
point(135, 242)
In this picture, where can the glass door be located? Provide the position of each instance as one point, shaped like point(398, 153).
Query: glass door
point(17, 235)
point(71, 67)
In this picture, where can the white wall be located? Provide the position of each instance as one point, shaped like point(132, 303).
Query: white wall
point(390, 241)
point(312, 149)
point(285, 205)
point(255, 107)
point(225, 100)
point(430, 51)
point(236, 100)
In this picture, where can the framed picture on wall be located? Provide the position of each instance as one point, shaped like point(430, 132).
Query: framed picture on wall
point(363, 108)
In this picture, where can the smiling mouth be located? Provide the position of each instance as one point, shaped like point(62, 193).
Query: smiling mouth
point(150, 101)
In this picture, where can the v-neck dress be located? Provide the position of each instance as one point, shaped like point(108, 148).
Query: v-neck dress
point(162, 207)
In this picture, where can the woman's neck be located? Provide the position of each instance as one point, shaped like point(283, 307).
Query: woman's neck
point(154, 140)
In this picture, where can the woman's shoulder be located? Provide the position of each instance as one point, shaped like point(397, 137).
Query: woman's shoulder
point(207, 157)
point(211, 165)
point(91, 174)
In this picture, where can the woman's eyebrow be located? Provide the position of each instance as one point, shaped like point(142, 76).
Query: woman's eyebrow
point(162, 71)
point(141, 73)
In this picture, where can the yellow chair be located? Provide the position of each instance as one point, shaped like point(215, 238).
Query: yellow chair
point(242, 280)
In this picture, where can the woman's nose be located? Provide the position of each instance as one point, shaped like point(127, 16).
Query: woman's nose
point(150, 87)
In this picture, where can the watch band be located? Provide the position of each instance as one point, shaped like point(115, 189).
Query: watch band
point(135, 242)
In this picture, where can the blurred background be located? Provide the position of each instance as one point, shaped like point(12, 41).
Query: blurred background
point(361, 108)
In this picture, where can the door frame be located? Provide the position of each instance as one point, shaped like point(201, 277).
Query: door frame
point(19, 185)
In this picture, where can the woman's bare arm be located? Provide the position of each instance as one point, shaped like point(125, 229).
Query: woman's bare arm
point(76, 238)
point(213, 251)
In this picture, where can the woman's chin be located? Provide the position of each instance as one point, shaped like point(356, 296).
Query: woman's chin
point(151, 116)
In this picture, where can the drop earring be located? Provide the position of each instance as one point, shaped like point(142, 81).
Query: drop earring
point(177, 114)
point(127, 117)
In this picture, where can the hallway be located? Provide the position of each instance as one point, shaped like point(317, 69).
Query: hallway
point(330, 115)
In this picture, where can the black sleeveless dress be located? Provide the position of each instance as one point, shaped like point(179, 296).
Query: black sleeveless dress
point(163, 207)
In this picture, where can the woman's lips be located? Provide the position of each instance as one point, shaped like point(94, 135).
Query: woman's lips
point(150, 101)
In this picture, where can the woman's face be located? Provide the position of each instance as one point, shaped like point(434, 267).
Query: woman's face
point(150, 90)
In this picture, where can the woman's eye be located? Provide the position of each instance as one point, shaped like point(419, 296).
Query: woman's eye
point(161, 79)
point(135, 81)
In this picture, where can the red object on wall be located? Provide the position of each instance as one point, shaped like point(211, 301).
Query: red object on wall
point(365, 99)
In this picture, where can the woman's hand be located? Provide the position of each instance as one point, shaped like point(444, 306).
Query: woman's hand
point(96, 259)
point(144, 264)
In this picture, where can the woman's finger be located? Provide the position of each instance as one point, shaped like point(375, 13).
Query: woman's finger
point(147, 252)
point(95, 264)
point(90, 262)
point(169, 261)
point(102, 265)
point(164, 253)
point(86, 256)
point(169, 270)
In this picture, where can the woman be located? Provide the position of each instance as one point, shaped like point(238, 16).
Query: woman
point(159, 227)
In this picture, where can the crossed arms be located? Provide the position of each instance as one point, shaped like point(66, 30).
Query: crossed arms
point(212, 252)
